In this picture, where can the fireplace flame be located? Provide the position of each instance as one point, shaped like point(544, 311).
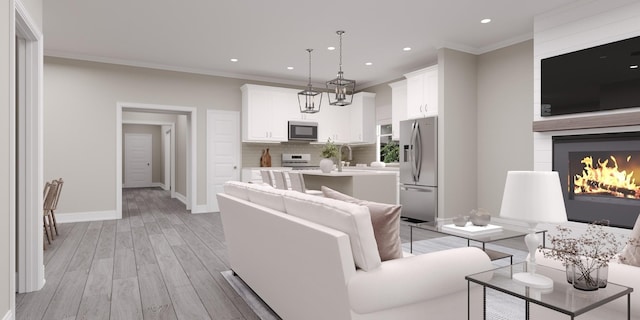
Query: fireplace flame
point(602, 179)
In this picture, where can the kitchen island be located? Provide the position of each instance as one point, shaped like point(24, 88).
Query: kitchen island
point(378, 186)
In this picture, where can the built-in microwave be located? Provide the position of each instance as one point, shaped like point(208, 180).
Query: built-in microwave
point(303, 131)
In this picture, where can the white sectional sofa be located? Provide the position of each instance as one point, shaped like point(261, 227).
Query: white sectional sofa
point(618, 273)
point(307, 270)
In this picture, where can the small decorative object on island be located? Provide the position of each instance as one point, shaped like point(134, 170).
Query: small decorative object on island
point(479, 217)
point(329, 151)
point(587, 256)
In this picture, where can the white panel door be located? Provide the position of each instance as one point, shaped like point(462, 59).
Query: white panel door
point(223, 152)
point(167, 158)
point(137, 159)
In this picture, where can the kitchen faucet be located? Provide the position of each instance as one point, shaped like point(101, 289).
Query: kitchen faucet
point(340, 156)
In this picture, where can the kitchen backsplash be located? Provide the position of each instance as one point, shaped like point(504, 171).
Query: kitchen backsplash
point(251, 153)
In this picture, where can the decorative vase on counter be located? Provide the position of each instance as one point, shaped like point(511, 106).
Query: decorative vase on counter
point(585, 275)
point(326, 165)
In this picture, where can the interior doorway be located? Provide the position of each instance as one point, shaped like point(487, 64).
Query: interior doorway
point(191, 150)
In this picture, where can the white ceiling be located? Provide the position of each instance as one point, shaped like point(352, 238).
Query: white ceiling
point(267, 36)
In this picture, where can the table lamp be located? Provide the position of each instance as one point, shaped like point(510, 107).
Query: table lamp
point(533, 197)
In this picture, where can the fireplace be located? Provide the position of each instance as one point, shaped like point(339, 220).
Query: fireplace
point(598, 176)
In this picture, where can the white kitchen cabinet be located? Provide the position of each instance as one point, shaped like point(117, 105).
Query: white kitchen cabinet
point(363, 118)
point(355, 123)
point(398, 106)
point(266, 111)
point(334, 124)
point(422, 93)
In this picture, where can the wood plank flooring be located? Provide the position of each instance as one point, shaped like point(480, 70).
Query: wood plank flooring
point(157, 262)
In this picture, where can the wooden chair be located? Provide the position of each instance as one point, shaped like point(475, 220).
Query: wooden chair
point(280, 180)
point(266, 177)
point(54, 206)
point(50, 190)
point(297, 184)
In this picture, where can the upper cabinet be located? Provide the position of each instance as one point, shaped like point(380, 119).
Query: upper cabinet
point(267, 110)
point(265, 113)
point(398, 106)
point(422, 93)
point(355, 123)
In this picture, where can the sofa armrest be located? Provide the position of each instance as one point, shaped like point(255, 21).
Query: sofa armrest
point(414, 279)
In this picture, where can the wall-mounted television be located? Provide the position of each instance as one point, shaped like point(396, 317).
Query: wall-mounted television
point(604, 77)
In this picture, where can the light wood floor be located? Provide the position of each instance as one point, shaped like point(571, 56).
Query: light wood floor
point(158, 262)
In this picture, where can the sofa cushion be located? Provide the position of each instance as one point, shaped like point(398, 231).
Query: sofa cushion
point(237, 189)
point(385, 219)
point(352, 219)
point(267, 196)
point(631, 253)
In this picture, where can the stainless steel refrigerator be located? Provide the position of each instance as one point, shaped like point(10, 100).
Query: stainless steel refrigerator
point(419, 168)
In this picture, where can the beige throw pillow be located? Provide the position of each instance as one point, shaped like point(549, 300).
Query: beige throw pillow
point(631, 253)
point(385, 219)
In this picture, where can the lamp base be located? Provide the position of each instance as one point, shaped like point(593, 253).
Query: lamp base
point(533, 280)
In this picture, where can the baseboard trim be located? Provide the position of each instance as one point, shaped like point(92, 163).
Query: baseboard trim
point(181, 198)
point(86, 216)
point(203, 208)
point(8, 316)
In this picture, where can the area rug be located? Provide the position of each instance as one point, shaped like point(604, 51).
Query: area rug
point(499, 305)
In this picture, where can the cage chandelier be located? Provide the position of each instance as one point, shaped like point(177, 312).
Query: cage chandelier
point(340, 89)
point(309, 99)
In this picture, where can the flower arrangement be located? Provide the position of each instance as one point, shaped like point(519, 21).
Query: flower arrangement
point(587, 253)
point(329, 150)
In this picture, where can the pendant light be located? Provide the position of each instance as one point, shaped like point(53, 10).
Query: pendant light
point(308, 98)
point(340, 89)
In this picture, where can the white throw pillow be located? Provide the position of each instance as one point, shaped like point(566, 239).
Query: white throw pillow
point(352, 219)
point(266, 196)
point(631, 253)
point(385, 219)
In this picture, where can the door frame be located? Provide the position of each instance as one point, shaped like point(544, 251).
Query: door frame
point(30, 267)
point(167, 157)
point(163, 125)
point(192, 143)
point(211, 113)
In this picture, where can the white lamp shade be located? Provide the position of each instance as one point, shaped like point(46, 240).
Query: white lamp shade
point(533, 196)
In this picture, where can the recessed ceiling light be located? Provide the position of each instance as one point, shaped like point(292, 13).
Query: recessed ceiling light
point(635, 66)
point(406, 49)
point(331, 48)
point(487, 20)
point(289, 68)
point(368, 63)
point(234, 60)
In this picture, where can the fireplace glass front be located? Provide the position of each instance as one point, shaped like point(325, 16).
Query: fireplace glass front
point(598, 177)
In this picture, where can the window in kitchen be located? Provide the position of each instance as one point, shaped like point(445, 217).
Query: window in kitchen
point(386, 148)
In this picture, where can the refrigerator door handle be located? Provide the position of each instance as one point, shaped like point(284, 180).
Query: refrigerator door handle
point(414, 145)
point(418, 189)
point(418, 158)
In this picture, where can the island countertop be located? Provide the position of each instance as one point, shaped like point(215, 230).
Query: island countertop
point(348, 173)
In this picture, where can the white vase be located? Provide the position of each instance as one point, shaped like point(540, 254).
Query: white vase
point(326, 165)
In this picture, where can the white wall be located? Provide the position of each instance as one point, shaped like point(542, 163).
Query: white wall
point(80, 99)
point(505, 140)
point(7, 205)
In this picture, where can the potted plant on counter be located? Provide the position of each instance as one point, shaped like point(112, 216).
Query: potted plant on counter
point(328, 153)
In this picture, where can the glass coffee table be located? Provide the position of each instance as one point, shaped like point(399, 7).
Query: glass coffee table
point(506, 232)
point(563, 297)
